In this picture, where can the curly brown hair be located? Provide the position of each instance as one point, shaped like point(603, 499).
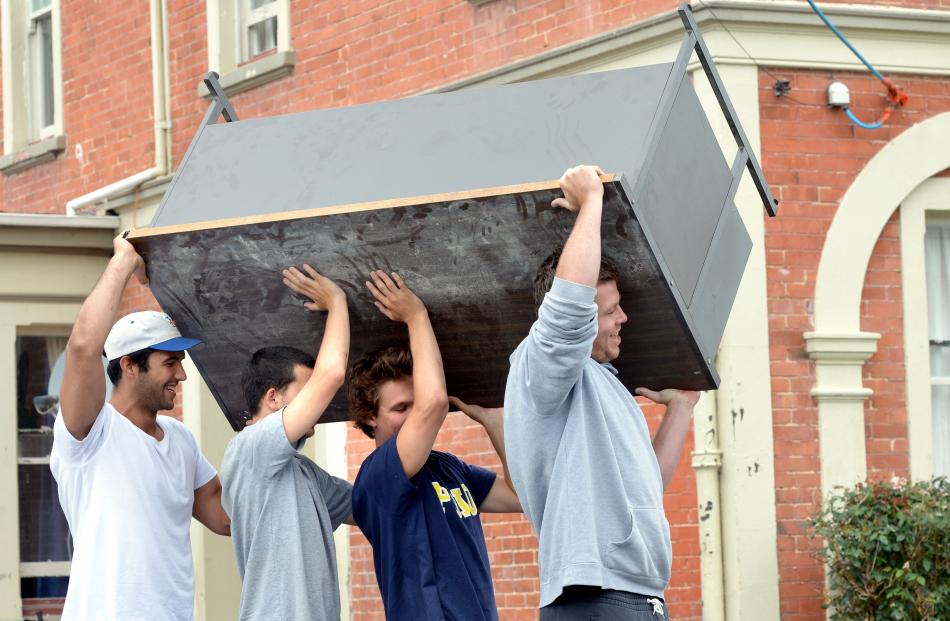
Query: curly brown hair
point(544, 277)
point(366, 376)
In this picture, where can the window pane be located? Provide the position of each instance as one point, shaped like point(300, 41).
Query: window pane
point(941, 416)
point(39, 5)
point(940, 359)
point(44, 532)
point(262, 37)
point(937, 257)
point(45, 67)
point(46, 587)
point(256, 4)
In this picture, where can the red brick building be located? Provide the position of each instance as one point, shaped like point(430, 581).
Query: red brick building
point(834, 363)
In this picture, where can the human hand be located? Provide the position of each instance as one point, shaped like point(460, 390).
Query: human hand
point(393, 297)
point(125, 252)
point(322, 291)
point(477, 413)
point(580, 185)
point(670, 396)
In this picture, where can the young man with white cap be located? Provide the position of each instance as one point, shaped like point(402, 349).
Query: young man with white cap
point(129, 480)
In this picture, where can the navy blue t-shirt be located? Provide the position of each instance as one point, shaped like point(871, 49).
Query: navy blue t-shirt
point(428, 546)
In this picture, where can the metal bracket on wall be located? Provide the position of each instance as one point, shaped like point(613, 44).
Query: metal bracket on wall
point(744, 157)
point(220, 107)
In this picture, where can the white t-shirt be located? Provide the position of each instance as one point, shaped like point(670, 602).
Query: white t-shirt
point(128, 499)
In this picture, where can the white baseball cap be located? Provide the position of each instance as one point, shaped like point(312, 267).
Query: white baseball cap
point(145, 329)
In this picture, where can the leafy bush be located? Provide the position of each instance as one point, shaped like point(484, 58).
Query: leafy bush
point(887, 549)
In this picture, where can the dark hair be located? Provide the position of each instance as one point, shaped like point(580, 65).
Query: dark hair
point(138, 358)
point(271, 367)
point(545, 275)
point(367, 374)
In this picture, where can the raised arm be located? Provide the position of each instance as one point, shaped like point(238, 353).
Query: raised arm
point(83, 391)
point(583, 193)
point(502, 498)
point(329, 372)
point(430, 400)
point(670, 437)
point(549, 362)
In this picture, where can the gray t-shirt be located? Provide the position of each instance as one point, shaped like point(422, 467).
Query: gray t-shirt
point(284, 509)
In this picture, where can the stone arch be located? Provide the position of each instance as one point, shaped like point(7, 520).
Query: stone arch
point(837, 344)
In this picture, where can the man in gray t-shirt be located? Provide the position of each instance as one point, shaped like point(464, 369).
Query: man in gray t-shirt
point(284, 507)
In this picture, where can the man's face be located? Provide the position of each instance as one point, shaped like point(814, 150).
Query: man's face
point(395, 404)
point(155, 388)
point(610, 317)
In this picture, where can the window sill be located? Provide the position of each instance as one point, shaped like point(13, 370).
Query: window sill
point(37, 153)
point(254, 74)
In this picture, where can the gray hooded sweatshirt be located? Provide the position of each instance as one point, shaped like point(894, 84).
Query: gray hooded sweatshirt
point(581, 458)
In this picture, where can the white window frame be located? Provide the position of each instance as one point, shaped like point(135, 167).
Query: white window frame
point(228, 25)
point(25, 142)
point(41, 569)
point(929, 202)
point(36, 69)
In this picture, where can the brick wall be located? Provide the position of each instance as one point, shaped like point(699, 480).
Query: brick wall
point(107, 108)
point(811, 155)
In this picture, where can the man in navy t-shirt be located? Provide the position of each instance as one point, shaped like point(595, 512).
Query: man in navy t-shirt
point(417, 507)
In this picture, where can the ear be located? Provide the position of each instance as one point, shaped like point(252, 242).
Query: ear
point(129, 368)
point(271, 400)
point(371, 422)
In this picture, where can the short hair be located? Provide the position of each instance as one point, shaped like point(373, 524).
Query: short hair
point(271, 367)
point(366, 376)
point(138, 358)
point(546, 271)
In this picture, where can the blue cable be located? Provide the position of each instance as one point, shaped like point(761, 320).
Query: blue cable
point(859, 122)
point(844, 40)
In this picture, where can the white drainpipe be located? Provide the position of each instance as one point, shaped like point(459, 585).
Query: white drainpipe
point(161, 105)
point(707, 462)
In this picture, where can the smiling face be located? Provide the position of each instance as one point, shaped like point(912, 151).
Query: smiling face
point(610, 318)
point(394, 405)
point(155, 388)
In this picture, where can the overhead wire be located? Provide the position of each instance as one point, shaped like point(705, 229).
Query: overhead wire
point(895, 95)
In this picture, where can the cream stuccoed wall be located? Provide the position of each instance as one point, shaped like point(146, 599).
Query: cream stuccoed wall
point(217, 583)
point(744, 398)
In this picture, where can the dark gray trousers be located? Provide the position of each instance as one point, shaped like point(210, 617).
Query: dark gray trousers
point(582, 603)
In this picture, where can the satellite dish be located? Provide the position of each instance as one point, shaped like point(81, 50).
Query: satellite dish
point(49, 403)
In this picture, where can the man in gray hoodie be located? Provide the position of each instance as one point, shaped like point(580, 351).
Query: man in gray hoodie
point(581, 458)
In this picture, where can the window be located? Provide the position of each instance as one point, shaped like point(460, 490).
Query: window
point(40, 67)
point(259, 26)
point(937, 253)
point(248, 43)
point(45, 543)
point(32, 83)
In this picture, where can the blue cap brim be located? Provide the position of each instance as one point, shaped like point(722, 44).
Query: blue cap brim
point(176, 344)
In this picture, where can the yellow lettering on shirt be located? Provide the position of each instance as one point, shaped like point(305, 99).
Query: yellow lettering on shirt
point(464, 505)
point(461, 497)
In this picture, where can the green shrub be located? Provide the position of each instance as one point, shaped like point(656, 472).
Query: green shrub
point(887, 549)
